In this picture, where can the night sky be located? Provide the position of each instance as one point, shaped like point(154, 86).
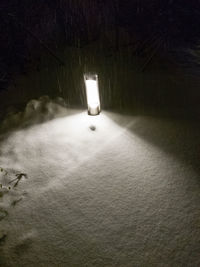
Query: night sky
point(160, 38)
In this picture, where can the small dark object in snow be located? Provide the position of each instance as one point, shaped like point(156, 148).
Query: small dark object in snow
point(3, 190)
point(92, 128)
point(16, 201)
point(3, 214)
point(3, 239)
point(19, 177)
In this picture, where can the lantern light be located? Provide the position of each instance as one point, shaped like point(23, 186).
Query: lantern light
point(92, 93)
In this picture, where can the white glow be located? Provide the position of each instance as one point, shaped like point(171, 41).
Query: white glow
point(92, 92)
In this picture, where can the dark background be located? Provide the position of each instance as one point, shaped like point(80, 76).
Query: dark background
point(146, 53)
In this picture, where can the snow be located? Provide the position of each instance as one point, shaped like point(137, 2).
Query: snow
point(107, 190)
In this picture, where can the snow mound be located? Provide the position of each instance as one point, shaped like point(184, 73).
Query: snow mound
point(36, 111)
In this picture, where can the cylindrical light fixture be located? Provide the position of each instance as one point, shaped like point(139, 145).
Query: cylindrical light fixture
point(92, 93)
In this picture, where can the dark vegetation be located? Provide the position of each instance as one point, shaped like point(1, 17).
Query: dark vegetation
point(146, 53)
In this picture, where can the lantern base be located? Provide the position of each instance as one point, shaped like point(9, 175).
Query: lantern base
point(93, 111)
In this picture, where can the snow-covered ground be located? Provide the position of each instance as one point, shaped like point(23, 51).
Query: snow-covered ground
point(109, 190)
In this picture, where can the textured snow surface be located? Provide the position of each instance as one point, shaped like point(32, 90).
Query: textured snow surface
point(109, 190)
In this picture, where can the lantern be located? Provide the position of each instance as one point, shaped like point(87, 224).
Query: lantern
point(92, 93)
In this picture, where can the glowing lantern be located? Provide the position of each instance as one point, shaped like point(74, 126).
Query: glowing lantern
point(92, 93)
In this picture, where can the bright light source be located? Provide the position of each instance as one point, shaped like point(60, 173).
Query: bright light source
point(92, 93)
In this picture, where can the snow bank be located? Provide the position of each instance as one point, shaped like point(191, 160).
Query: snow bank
point(36, 111)
point(109, 190)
